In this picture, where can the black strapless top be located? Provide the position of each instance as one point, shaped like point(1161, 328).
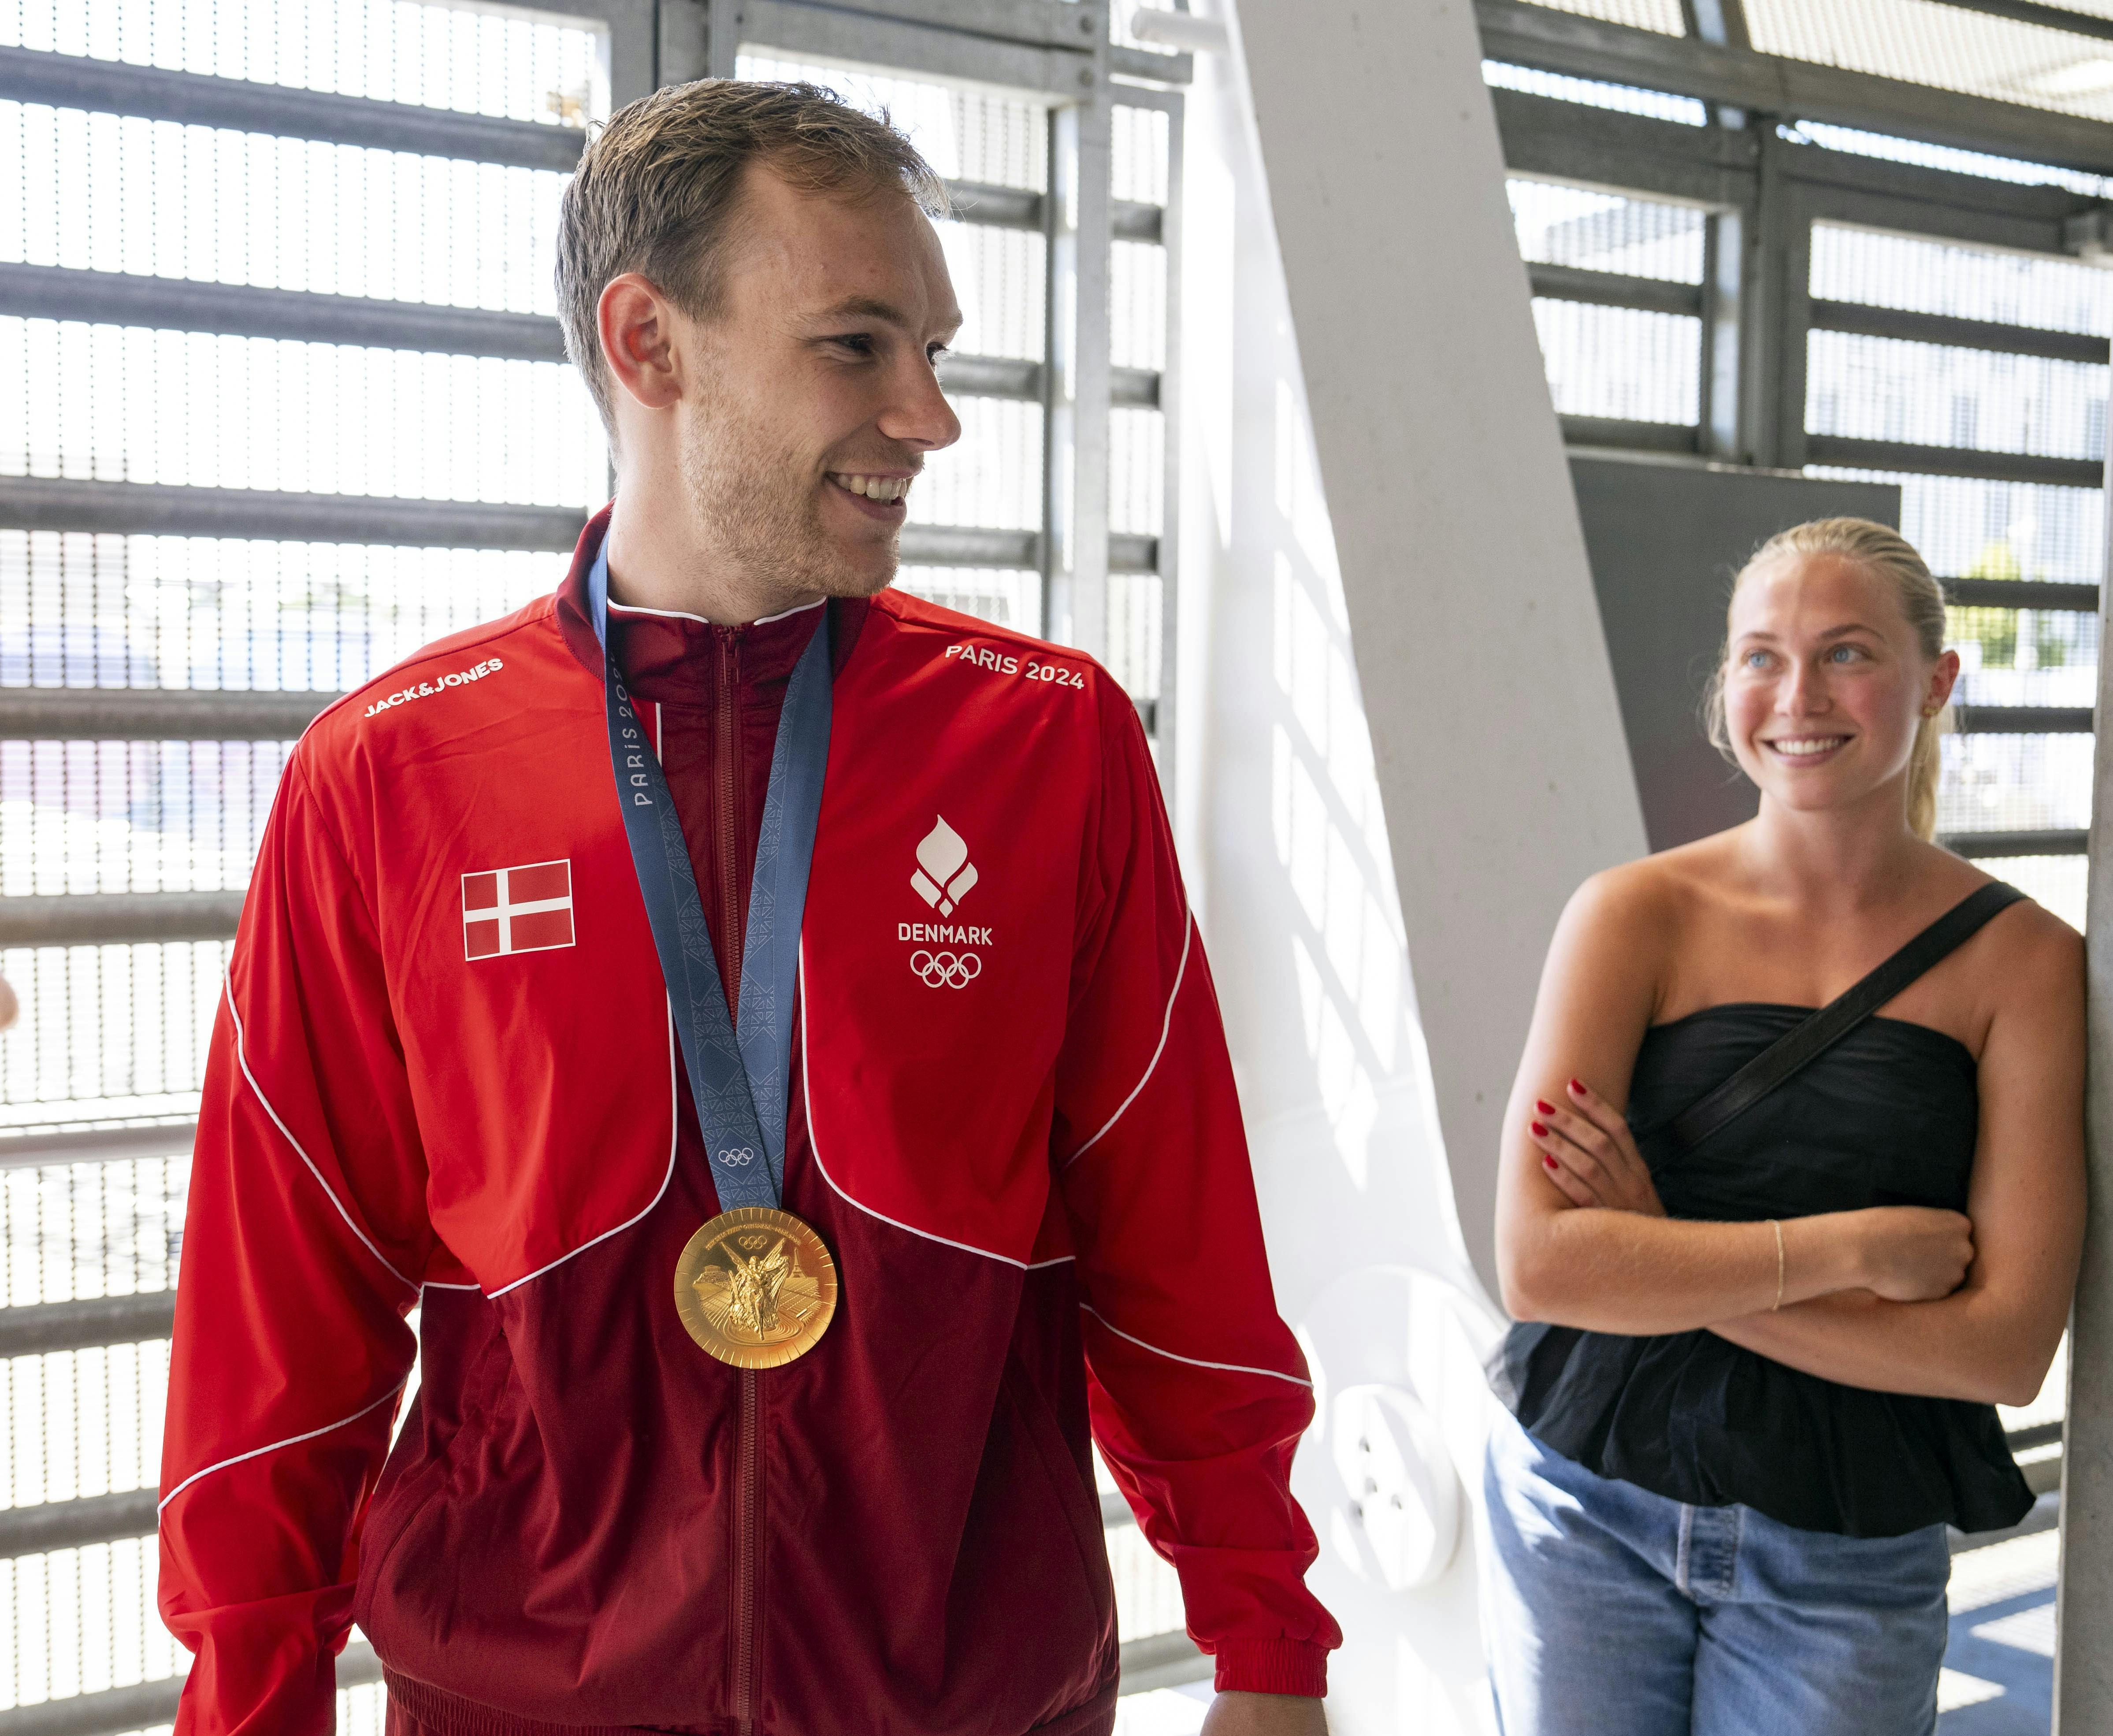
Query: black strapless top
point(1887, 1117)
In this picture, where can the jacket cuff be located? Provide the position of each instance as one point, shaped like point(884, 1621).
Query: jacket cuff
point(1272, 1666)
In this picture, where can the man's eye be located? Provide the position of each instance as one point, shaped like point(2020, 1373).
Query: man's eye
point(858, 343)
point(934, 352)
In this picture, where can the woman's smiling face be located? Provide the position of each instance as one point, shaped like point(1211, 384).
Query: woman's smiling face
point(1825, 684)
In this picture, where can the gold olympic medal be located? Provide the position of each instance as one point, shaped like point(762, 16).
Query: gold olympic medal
point(756, 1287)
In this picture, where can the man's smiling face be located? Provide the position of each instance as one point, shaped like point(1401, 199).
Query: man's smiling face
point(815, 400)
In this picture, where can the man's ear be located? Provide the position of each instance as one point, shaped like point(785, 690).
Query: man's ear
point(637, 324)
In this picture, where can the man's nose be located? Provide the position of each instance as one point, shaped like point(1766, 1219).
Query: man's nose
point(918, 413)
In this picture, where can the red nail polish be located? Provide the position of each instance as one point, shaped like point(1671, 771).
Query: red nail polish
point(1539, 1131)
point(1546, 1109)
point(1548, 1163)
point(1578, 1085)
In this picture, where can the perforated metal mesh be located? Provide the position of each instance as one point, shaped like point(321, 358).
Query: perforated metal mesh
point(174, 612)
point(483, 60)
point(1936, 395)
point(1621, 362)
point(1662, 16)
point(1934, 276)
point(1948, 47)
point(112, 192)
point(1603, 231)
point(1626, 98)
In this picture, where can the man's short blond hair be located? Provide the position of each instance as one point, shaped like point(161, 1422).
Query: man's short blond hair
point(657, 191)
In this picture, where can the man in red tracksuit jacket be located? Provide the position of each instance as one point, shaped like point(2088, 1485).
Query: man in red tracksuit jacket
point(445, 1077)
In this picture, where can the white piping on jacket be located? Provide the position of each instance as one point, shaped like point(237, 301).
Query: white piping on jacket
point(677, 614)
point(242, 1060)
point(291, 1440)
point(674, 1133)
point(814, 1145)
point(1194, 1362)
point(1166, 1025)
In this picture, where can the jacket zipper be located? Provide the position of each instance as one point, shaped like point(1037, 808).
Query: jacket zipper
point(749, 1472)
point(746, 1495)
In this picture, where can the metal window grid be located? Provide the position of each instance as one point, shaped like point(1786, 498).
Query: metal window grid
point(246, 234)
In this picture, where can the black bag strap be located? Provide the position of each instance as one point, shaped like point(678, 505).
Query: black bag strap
point(1800, 1048)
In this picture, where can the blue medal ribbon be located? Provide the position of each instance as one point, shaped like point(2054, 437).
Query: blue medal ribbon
point(738, 1077)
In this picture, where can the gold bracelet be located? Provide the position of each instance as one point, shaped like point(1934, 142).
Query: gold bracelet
point(1777, 1227)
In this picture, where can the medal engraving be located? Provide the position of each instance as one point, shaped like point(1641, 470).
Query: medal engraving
point(756, 1288)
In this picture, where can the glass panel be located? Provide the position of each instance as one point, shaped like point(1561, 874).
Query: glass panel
point(2025, 657)
point(1137, 443)
point(115, 193)
point(2057, 882)
point(122, 403)
point(108, 1033)
point(2015, 783)
point(999, 279)
point(1137, 305)
point(77, 1621)
point(1966, 528)
point(1934, 394)
point(1139, 141)
point(1607, 231)
point(1135, 615)
point(486, 60)
point(1950, 48)
point(83, 611)
point(992, 477)
point(1974, 283)
point(1003, 597)
point(1620, 361)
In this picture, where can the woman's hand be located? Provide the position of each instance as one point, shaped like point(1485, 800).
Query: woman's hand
point(1914, 1253)
point(1587, 1150)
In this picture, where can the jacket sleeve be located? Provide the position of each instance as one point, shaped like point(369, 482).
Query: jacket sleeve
point(1198, 1389)
point(304, 1239)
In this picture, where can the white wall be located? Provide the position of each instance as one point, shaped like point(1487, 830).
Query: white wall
point(1400, 744)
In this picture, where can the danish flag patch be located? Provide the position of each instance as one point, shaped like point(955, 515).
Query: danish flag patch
point(518, 909)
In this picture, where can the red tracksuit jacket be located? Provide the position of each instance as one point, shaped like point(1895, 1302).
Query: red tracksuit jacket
point(1013, 1122)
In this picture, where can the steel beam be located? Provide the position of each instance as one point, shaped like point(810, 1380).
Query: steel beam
point(195, 99)
point(1043, 24)
point(1844, 453)
point(2041, 594)
point(1571, 283)
point(999, 377)
point(1628, 436)
point(1552, 41)
point(96, 1144)
point(2023, 720)
point(1572, 141)
point(1910, 327)
point(150, 1703)
point(156, 715)
point(119, 919)
point(890, 41)
point(46, 1327)
point(998, 207)
point(76, 1524)
point(152, 509)
point(1991, 844)
point(237, 310)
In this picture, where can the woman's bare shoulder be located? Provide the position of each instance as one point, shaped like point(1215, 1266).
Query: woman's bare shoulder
point(1644, 911)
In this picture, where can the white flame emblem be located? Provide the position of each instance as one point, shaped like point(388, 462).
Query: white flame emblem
point(944, 873)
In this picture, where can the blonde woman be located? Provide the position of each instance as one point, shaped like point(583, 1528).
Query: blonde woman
point(1767, 1306)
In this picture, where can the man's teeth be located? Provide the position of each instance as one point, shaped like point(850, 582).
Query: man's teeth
point(874, 488)
point(1808, 744)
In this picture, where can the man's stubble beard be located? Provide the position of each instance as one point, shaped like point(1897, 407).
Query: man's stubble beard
point(763, 517)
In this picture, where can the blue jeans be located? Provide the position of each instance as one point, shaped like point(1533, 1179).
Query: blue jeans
point(1608, 1610)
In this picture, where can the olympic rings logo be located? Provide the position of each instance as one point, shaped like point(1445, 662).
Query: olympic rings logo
point(953, 970)
point(737, 1157)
